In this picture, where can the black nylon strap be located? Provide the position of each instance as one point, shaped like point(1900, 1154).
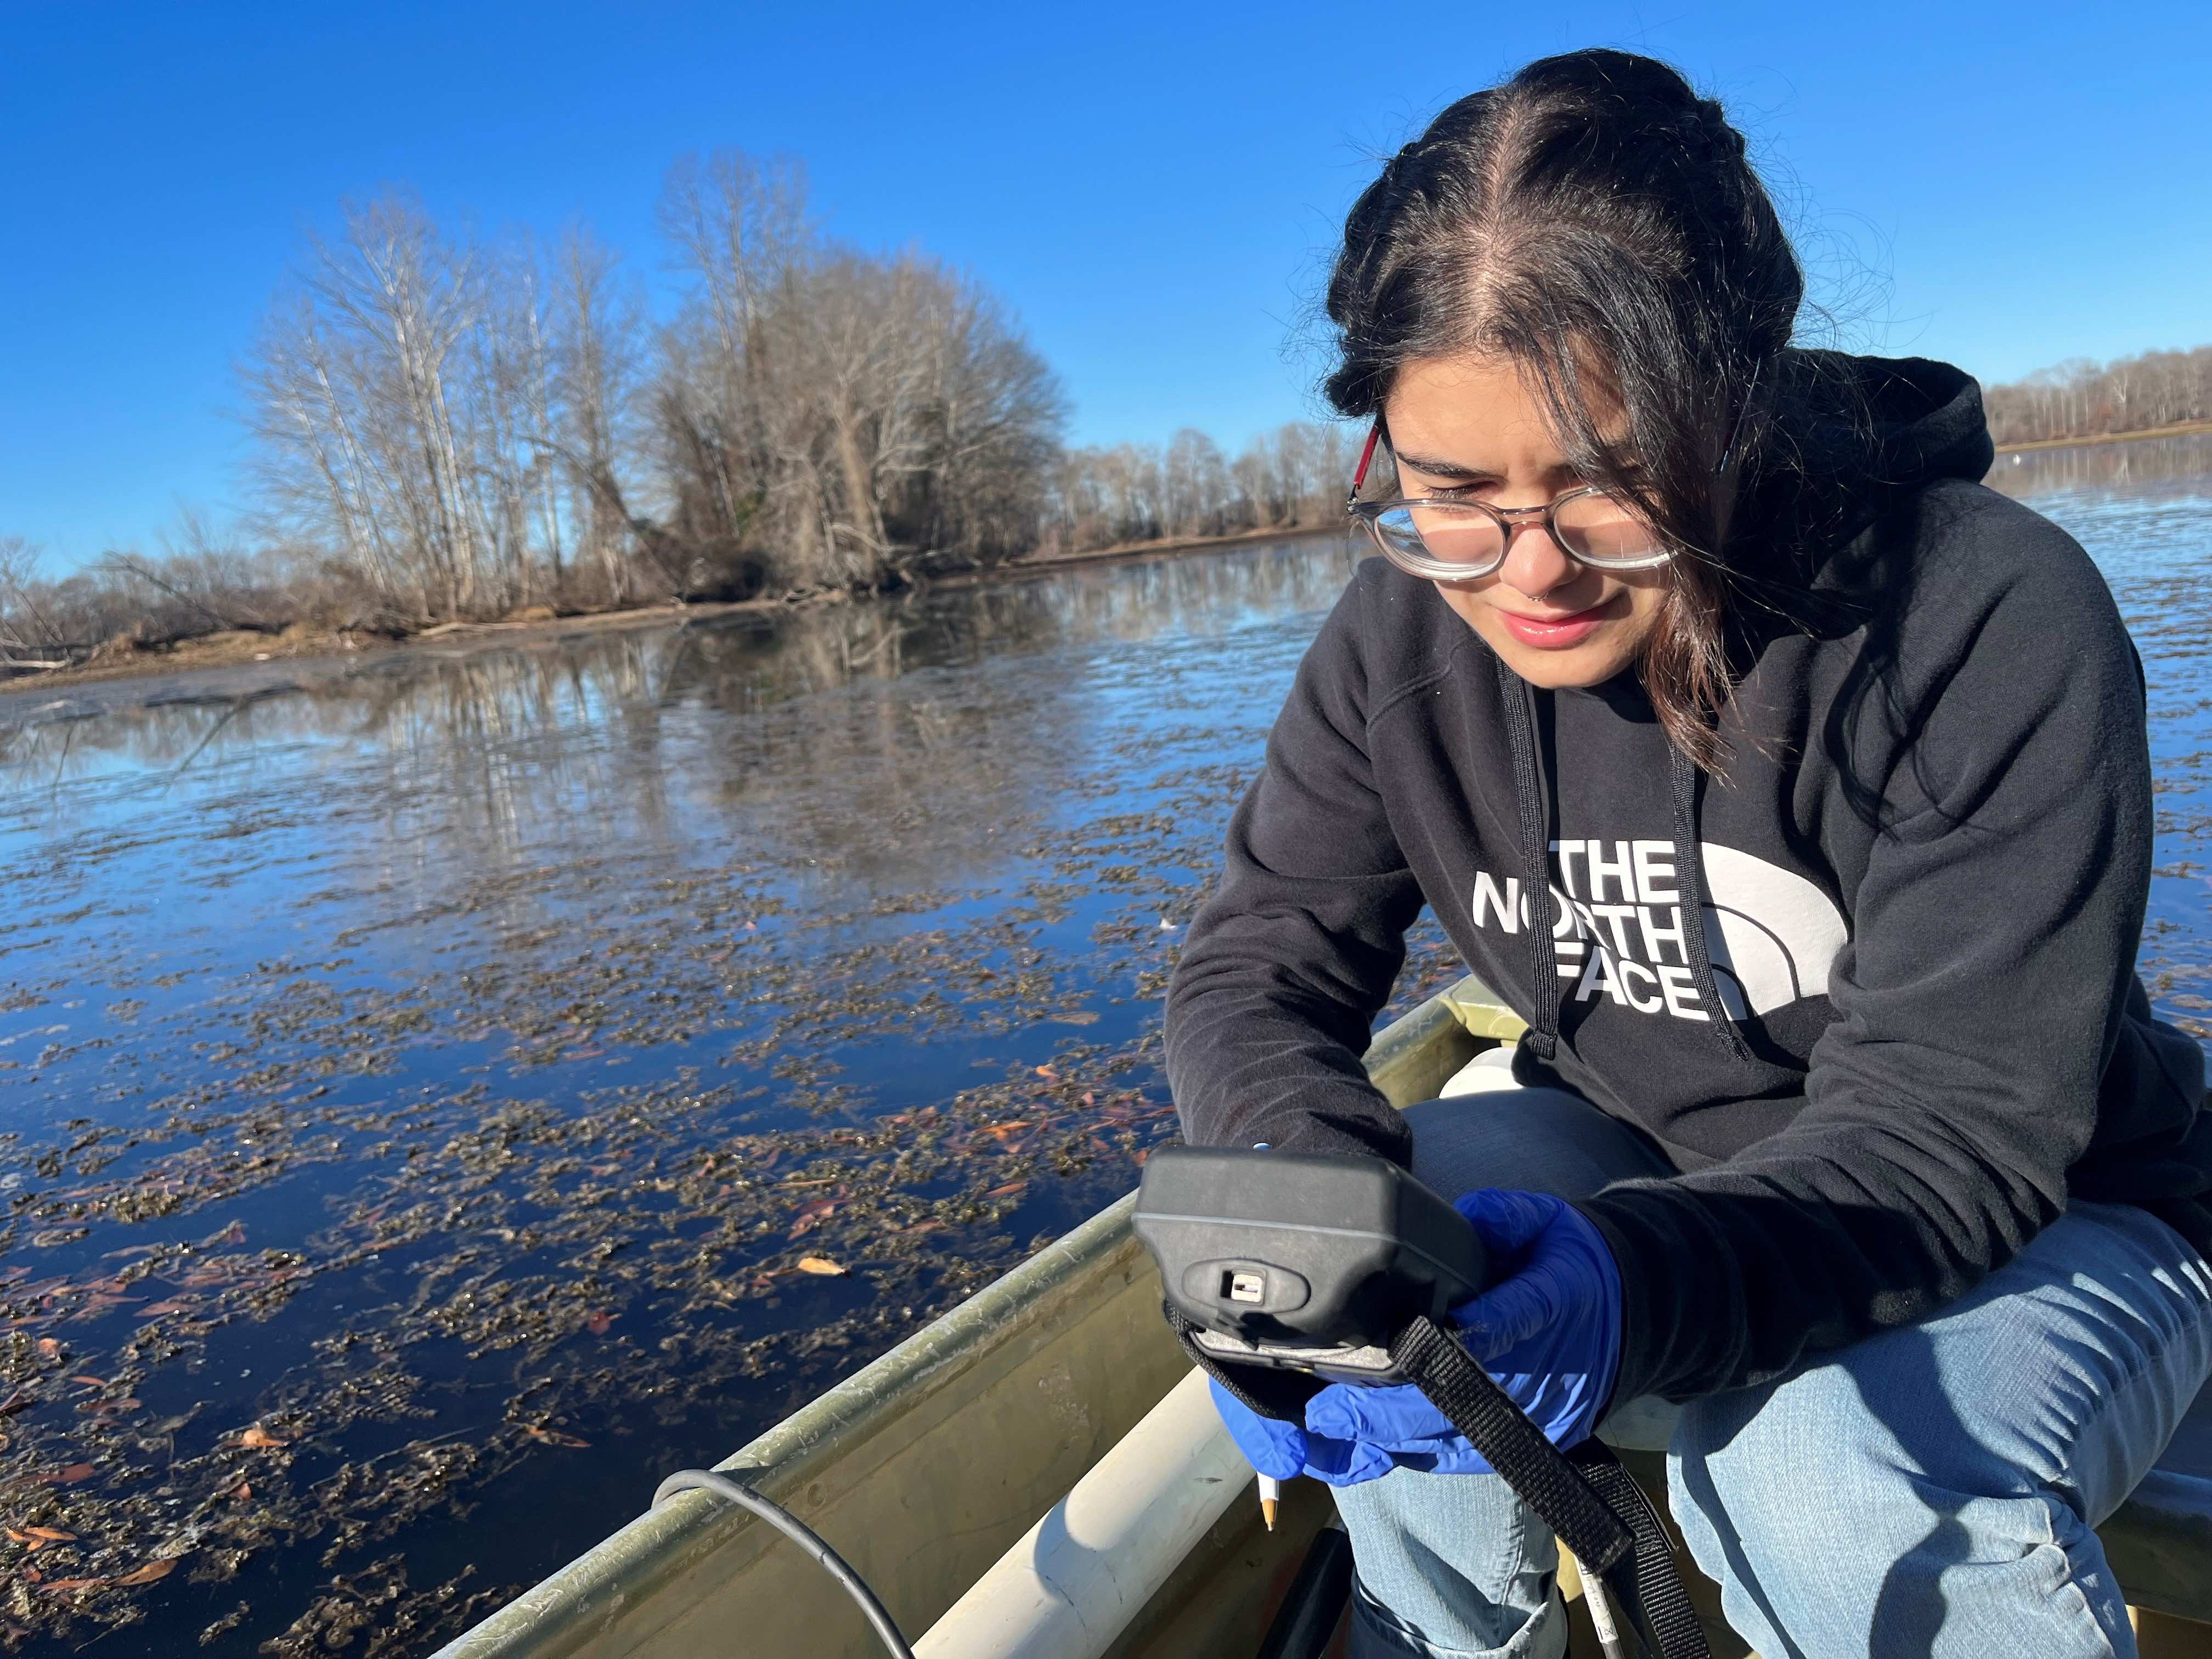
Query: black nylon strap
point(1512, 1446)
point(1655, 1589)
point(1585, 1496)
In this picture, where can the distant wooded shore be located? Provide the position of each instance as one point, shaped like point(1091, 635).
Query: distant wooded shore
point(2175, 429)
point(235, 647)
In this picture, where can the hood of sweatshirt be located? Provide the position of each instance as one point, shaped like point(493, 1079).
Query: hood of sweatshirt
point(1846, 438)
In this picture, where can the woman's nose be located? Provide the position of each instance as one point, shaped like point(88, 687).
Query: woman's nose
point(1534, 564)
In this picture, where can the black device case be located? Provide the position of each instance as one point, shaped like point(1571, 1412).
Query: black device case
point(1302, 1251)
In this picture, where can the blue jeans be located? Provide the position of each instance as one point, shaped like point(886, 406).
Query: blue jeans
point(1930, 1490)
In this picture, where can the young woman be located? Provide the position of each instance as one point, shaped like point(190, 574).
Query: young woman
point(1795, 789)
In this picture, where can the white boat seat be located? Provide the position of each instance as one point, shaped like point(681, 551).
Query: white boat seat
point(1491, 1069)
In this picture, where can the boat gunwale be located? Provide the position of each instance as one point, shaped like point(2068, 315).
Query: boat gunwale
point(572, 1605)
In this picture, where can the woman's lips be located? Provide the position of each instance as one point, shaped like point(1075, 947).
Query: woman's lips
point(1553, 633)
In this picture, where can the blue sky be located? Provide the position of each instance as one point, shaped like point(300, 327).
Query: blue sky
point(1153, 188)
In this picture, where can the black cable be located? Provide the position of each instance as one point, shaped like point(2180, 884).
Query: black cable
point(800, 1533)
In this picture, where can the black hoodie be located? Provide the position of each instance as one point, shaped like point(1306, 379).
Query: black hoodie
point(1909, 1029)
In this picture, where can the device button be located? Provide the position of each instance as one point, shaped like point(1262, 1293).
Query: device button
point(1246, 1287)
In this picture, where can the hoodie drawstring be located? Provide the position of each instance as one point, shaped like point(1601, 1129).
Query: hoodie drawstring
point(1690, 884)
point(1543, 1037)
point(1543, 1034)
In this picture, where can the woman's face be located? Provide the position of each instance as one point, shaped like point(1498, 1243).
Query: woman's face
point(1468, 427)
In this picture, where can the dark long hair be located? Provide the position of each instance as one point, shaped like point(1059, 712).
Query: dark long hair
point(1596, 222)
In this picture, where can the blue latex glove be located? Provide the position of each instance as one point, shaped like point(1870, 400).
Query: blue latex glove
point(1548, 1331)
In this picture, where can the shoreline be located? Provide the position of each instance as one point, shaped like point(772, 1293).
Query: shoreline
point(1122, 552)
point(2178, 429)
point(316, 648)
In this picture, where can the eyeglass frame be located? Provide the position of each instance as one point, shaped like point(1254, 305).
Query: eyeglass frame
point(1509, 518)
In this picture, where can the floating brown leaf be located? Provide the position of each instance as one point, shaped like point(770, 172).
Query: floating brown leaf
point(1047, 1070)
point(48, 1347)
point(819, 1264)
point(91, 1382)
point(51, 1535)
point(813, 1216)
point(260, 1439)
point(65, 1477)
point(553, 1437)
point(150, 1572)
point(55, 1586)
point(241, 1492)
point(160, 1309)
point(17, 1403)
point(601, 1321)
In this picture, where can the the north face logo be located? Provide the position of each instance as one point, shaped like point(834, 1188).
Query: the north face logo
point(1617, 923)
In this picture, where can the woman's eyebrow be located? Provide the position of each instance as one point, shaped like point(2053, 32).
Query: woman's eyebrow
point(1444, 469)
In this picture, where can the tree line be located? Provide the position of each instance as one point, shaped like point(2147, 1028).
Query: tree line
point(446, 425)
point(2084, 399)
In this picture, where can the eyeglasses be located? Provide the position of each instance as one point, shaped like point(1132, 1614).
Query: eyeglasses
point(1451, 540)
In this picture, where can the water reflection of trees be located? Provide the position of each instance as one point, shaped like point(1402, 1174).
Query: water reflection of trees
point(2153, 466)
point(824, 728)
point(423, 702)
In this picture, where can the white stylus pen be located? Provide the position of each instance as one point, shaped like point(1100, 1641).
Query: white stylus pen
point(1271, 1492)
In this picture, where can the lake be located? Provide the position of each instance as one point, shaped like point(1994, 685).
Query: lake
point(444, 1091)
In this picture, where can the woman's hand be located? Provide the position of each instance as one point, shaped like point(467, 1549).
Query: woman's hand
point(1548, 1330)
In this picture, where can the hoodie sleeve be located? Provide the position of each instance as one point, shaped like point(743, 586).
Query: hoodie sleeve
point(1288, 962)
point(1993, 942)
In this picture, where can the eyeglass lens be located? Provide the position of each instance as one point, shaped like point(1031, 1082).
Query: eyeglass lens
point(1594, 528)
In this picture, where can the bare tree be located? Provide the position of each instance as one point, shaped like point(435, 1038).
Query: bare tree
point(29, 638)
point(597, 368)
point(1196, 481)
point(736, 228)
point(851, 418)
point(353, 399)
